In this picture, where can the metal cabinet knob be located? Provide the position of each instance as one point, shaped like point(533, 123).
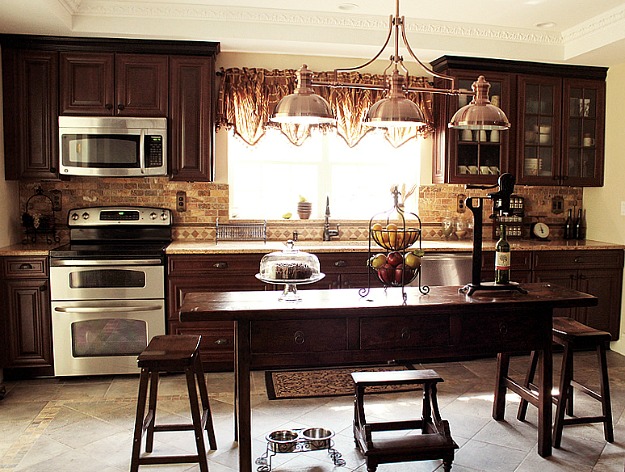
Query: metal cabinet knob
point(299, 337)
point(26, 266)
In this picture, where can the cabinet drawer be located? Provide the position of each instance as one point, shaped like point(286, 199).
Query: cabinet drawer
point(213, 264)
point(216, 336)
point(23, 267)
point(398, 332)
point(578, 259)
point(504, 331)
point(353, 262)
point(299, 336)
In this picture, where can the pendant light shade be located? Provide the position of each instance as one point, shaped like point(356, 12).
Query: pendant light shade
point(395, 110)
point(480, 113)
point(303, 106)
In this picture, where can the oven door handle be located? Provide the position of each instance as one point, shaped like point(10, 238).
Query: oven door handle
point(104, 262)
point(107, 309)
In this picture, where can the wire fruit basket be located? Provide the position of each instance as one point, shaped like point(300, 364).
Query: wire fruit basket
point(399, 234)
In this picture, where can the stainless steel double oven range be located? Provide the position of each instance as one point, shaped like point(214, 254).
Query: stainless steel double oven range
point(108, 288)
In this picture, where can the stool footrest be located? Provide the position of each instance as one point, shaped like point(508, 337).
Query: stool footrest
point(584, 420)
point(167, 460)
point(396, 425)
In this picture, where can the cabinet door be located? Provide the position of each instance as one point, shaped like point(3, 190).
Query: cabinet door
point(583, 132)
point(472, 156)
point(30, 114)
point(141, 84)
point(87, 83)
point(191, 114)
point(538, 135)
point(29, 332)
point(606, 285)
point(563, 277)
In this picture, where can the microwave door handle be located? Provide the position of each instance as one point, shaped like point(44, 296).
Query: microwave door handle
point(142, 151)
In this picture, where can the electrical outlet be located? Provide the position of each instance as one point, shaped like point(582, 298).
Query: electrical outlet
point(460, 205)
point(57, 200)
point(622, 208)
point(557, 205)
point(181, 201)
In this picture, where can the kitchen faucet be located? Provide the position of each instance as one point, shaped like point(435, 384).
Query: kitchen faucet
point(328, 233)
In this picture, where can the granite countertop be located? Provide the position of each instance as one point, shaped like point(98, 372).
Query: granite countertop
point(259, 247)
point(241, 247)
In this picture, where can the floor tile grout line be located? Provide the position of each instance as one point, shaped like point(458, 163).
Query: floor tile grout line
point(27, 439)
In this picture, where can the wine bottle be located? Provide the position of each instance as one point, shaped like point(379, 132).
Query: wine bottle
point(502, 258)
point(580, 225)
point(569, 226)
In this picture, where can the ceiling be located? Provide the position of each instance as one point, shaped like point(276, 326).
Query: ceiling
point(576, 31)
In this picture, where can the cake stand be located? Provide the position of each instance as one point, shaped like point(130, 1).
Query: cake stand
point(289, 294)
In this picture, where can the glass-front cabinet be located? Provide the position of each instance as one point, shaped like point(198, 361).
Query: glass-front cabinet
point(557, 113)
point(472, 156)
point(561, 138)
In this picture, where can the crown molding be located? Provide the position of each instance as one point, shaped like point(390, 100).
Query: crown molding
point(298, 19)
point(595, 24)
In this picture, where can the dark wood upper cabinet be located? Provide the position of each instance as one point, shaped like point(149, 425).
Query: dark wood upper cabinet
point(191, 113)
point(557, 114)
point(30, 86)
point(114, 84)
point(47, 76)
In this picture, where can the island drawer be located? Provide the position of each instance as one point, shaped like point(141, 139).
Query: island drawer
point(282, 336)
point(395, 332)
point(213, 264)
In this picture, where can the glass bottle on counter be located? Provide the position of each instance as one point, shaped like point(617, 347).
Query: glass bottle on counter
point(580, 225)
point(502, 258)
point(569, 226)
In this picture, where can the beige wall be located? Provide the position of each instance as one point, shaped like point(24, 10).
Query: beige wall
point(603, 205)
point(9, 208)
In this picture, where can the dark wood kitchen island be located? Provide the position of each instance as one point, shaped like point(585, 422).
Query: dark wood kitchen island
point(339, 327)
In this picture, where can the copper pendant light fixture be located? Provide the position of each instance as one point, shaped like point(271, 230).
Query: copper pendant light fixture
point(395, 109)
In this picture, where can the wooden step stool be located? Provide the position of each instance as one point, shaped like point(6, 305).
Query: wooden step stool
point(172, 353)
point(433, 443)
point(573, 335)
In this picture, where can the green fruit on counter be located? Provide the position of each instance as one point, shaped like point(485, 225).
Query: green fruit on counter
point(287, 215)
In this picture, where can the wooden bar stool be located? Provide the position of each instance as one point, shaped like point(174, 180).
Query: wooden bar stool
point(433, 443)
point(172, 353)
point(573, 335)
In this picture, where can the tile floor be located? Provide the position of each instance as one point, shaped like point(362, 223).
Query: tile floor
point(83, 425)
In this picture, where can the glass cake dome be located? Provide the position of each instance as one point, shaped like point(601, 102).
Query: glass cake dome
point(290, 267)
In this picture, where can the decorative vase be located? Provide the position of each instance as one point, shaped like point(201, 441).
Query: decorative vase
point(303, 210)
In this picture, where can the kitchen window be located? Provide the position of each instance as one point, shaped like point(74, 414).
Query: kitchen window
point(267, 179)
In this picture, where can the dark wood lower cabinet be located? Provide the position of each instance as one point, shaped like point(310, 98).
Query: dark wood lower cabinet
point(27, 330)
point(598, 272)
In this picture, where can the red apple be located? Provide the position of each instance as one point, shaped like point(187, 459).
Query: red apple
point(394, 258)
point(386, 274)
point(407, 274)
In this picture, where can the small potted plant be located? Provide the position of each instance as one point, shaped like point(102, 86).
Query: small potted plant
point(304, 208)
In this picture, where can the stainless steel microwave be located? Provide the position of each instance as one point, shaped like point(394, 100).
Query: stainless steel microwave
point(112, 146)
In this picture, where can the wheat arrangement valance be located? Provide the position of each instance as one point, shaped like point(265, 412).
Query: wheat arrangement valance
point(247, 97)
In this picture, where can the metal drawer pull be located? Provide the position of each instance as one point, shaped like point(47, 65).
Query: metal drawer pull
point(221, 341)
point(220, 265)
point(26, 266)
point(299, 337)
point(503, 329)
point(405, 333)
point(340, 263)
point(106, 309)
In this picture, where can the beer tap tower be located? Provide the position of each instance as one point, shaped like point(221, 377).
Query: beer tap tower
point(501, 205)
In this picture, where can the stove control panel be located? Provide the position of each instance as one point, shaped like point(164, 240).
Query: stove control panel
point(108, 216)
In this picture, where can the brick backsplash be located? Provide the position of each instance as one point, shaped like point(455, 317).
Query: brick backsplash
point(208, 201)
